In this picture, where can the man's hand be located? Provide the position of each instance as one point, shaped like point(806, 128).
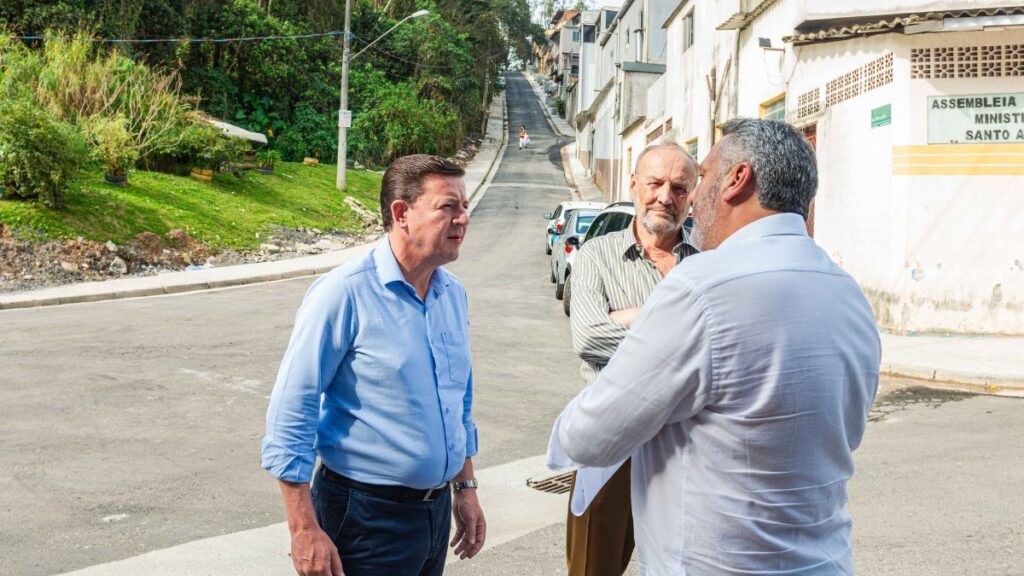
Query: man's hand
point(470, 526)
point(624, 317)
point(313, 553)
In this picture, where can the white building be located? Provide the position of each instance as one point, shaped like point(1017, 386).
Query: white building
point(916, 110)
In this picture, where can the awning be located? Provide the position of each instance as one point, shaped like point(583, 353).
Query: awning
point(894, 23)
point(232, 130)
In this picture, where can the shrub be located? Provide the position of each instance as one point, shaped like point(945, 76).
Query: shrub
point(113, 144)
point(207, 147)
point(291, 146)
point(267, 158)
point(38, 153)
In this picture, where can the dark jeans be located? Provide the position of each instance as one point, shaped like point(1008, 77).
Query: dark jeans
point(377, 536)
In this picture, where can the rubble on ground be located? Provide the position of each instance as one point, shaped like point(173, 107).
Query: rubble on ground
point(28, 265)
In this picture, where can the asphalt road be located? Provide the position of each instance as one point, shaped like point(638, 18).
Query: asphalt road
point(130, 426)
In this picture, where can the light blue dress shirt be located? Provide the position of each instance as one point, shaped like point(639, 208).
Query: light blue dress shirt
point(375, 381)
point(741, 391)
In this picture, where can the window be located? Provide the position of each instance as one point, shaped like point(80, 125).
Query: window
point(774, 109)
point(688, 31)
point(629, 158)
point(575, 35)
point(639, 45)
point(691, 147)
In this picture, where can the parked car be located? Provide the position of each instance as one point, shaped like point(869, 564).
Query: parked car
point(564, 250)
point(612, 219)
point(556, 220)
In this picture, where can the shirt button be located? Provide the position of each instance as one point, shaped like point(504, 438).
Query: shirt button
point(447, 410)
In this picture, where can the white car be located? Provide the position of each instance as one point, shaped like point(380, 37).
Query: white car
point(616, 217)
point(557, 218)
point(566, 245)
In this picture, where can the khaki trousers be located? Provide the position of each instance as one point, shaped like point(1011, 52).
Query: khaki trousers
point(600, 542)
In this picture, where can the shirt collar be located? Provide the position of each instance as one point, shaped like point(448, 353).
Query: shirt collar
point(631, 249)
point(389, 272)
point(783, 224)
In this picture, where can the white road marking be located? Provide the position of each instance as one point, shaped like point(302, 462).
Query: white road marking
point(512, 510)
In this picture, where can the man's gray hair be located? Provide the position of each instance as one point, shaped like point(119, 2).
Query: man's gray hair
point(785, 170)
point(666, 146)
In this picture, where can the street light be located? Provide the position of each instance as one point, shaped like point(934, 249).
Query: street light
point(344, 115)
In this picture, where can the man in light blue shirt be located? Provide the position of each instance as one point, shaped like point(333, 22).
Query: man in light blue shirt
point(377, 382)
point(744, 384)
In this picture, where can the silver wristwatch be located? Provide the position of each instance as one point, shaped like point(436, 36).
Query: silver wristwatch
point(465, 484)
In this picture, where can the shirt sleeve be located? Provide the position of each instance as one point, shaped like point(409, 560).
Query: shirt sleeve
point(660, 374)
point(321, 338)
point(595, 336)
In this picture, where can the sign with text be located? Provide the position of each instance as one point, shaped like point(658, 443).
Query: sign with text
point(976, 119)
point(881, 116)
point(345, 119)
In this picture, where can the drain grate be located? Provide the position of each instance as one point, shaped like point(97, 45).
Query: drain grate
point(558, 484)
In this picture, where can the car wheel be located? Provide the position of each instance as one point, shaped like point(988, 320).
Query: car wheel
point(553, 279)
point(566, 294)
point(559, 290)
point(547, 249)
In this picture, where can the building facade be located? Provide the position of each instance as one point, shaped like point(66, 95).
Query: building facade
point(915, 109)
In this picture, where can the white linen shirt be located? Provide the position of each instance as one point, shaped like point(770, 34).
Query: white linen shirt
point(741, 391)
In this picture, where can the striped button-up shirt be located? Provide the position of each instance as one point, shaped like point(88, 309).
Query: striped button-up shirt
point(610, 273)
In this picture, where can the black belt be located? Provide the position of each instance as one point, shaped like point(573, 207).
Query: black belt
point(392, 492)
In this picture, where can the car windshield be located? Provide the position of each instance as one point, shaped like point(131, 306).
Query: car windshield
point(583, 223)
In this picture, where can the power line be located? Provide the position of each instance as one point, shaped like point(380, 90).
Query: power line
point(182, 40)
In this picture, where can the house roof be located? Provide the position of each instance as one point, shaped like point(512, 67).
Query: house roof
point(741, 19)
point(829, 30)
point(232, 130)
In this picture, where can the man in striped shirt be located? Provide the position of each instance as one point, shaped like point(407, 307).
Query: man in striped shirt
point(612, 276)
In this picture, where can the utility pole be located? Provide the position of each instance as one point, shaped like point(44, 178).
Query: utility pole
point(343, 105)
point(344, 115)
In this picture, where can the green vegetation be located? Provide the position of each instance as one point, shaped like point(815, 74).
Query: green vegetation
point(73, 107)
point(434, 76)
point(226, 213)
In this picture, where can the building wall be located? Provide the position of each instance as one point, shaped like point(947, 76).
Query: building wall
point(764, 74)
point(606, 154)
point(940, 252)
point(687, 100)
point(633, 142)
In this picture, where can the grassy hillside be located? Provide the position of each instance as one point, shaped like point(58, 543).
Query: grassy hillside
point(225, 213)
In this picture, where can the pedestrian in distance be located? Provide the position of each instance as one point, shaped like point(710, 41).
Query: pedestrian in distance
point(744, 384)
point(612, 277)
point(377, 382)
point(524, 138)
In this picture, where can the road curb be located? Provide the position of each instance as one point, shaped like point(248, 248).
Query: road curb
point(570, 176)
point(489, 175)
point(1002, 385)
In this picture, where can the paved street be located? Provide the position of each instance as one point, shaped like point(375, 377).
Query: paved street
point(128, 427)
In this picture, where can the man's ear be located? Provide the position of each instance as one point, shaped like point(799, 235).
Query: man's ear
point(739, 184)
point(399, 210)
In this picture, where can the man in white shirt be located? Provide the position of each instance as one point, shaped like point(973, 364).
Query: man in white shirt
point(744, 384)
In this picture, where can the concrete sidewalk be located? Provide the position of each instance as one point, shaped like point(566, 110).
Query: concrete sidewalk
point(478, 174)
point(558, 125)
